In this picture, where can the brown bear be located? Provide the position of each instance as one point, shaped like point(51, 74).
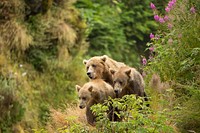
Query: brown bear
point(94, 92)
point(128, 81)
point(98, 67)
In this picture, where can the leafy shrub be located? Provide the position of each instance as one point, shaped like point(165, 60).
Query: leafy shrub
point(175, 57)
point(11, 109)
point(135, 115)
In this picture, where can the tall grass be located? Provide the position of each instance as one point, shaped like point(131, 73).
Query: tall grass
point(40, 55)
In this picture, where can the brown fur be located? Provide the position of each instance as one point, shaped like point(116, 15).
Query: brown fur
point(98, 67)
point(93, 92)
point(128, 81)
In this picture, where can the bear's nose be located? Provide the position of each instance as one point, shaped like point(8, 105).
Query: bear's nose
point(88, 73)
point(116, 91)
point(81, 107)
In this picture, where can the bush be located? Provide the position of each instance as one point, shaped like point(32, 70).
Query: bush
point(135, 115)
point(174, 55)
point(11, 109)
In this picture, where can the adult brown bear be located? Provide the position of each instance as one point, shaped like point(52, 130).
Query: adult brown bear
point(98, 67)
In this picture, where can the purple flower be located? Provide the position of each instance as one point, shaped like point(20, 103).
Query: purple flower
point(166, 18)
point(144, 61)
point(156, 17)
point(167, 9)
point(170, 26)
point(170, 4)
point(152, 6)
point(151, 48)
point(161, 20)
point(151, 35)
point(192, 10)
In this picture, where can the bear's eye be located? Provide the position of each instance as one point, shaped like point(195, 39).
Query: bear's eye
point(114, 82)
point(84, 98)
point(93, 65)
point(87, 67)
point(120, 82)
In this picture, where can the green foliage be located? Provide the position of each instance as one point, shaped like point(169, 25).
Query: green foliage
point(75, 128)
point(135, 115)
point(11, 109)
point(42, 43)
point(189, 117)
point(44, 113)
point(176, 59)
point(137, 22)
point(118, 29)
point(105, 32)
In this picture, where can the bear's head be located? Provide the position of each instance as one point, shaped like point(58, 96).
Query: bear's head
point(85, 94)
point(120, 79)
point(95, 67)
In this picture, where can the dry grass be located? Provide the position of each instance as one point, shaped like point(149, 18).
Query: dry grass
point(64, 33)
point(157, 85)
point(162, 96)
point(11, 9)
point(64, 120)
point(15, 36)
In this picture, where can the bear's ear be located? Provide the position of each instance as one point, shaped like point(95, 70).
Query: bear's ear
point(85, 62)
point(112, 71)
point(128, 72)
point(78, 88)
point(103, 58)
point(90, 88)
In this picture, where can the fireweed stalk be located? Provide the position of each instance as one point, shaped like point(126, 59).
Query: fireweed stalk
point(163, 20)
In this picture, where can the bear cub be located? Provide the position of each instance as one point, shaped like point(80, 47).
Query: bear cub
point(93, 92)
point(128, 81)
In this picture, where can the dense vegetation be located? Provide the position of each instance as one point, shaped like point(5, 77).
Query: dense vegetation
point(43, 43)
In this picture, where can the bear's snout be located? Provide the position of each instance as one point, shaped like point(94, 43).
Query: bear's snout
point(89, 74)
point(116, 91)
point(81, 107)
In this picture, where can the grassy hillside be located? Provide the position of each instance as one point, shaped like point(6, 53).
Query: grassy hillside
point(41, 48)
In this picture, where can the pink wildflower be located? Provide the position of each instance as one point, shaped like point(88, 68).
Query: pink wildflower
point(161, 20)
point(167, 9)
point(166, 18)
point(156, 17)
point(144, 61)
point(151, 48)
point(192, 10)
point(151, 36)
point(171, 4)
point(152, 6)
